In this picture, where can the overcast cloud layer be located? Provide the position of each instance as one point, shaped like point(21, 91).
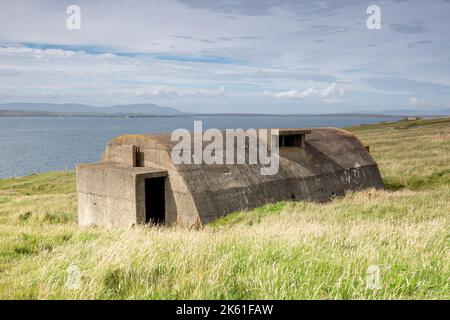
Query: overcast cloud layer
point(228, 56)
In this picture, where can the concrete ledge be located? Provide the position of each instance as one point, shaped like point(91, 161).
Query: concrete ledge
point(112, 166)
point(293, 132)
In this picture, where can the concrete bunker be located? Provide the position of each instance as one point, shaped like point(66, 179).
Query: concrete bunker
point(137, 183)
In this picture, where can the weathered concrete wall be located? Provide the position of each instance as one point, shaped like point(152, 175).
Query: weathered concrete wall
point(329, 163)
point(106, 196)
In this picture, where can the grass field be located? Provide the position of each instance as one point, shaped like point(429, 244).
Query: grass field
point(283, 251)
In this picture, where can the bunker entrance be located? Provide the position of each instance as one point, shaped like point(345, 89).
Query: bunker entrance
point(155, 204)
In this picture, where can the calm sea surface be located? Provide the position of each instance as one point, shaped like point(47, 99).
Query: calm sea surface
point(37, 144)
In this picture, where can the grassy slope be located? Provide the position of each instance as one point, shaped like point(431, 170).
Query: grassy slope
point(282, 251)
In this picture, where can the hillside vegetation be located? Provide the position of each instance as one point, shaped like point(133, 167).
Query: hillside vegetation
point(288, 250)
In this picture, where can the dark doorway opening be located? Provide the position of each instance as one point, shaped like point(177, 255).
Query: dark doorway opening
point(155, 202)
point(287, 141)
point(295, 140)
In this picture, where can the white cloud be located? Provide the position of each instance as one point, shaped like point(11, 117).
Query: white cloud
point(36, 53)
point(330, 93)
point(61, 75)
point(161, 93)
point(414, 101)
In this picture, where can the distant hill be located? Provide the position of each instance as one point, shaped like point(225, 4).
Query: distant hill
point(148, 109)
point(75, 108)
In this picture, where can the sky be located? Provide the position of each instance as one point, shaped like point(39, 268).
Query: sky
point(253, 56)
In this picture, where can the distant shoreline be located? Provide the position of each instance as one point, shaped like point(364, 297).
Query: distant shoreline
point(150, 110)
point(24, 113)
